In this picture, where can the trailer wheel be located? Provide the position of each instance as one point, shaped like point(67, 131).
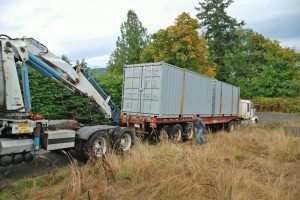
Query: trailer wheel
point(124, 139)
point(230, 127)
point(176, 132)
point(164, 135)
point(237, 124)
point(96, 146)
point(189, 132)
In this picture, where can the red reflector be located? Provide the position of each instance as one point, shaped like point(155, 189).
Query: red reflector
point(36, 117)
point(18, 104)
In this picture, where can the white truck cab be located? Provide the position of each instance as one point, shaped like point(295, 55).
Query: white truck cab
point(247, 112)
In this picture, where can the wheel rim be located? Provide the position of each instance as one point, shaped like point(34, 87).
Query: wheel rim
point(231, 128)
point(177, 136)
point(99, 147)
point(163, 136)
point(126, 142)
point(190, 134)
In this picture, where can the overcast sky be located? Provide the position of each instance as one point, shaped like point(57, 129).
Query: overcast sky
point(88, 29)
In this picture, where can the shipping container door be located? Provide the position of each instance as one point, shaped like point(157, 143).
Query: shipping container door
point(131, 89)
point(151, 87)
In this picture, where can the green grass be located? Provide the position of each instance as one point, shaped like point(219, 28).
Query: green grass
point(124, 174)
point(238, 156)
point(17, 189)
point(6, 195)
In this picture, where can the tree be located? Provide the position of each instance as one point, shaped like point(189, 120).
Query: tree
point(112, 84)
point(219, 31)
point(83, 64)
point(296, 78)
point(66, 59)
point(261, 67)
point(181, 45)
point(129, 45)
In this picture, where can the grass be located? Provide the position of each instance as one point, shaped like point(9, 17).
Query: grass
point(123, 174)
point(253, 162)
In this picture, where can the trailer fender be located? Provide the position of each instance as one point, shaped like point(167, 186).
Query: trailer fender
point(86, 132)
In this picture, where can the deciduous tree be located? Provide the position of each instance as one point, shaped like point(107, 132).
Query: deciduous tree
point(261, 67)
point(181, 45)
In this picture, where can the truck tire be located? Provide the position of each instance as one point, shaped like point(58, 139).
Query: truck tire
point(124, 139)
point(230, 127)
point(96, 146)
point(164, 135)
point(237, 124)
point(176, 133)
point(188, 132)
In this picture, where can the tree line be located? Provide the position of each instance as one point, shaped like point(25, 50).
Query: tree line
point(225, 50)
point(213, 43)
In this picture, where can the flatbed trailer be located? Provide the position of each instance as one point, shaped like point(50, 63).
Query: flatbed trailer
point(177, 128)
point(144, 123)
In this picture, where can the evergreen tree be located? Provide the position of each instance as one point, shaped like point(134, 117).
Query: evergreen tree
point(219, 31)
point(66, 59)
point(83, 64)
point(129, 45)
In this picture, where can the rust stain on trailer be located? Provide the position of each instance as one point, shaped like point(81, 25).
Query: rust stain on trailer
point(154, 121)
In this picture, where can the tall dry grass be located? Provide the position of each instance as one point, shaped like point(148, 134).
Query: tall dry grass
point(253, 162)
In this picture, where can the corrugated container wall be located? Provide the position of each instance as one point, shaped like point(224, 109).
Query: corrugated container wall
point(198, 94)
point(164, 90)
point(226, 99)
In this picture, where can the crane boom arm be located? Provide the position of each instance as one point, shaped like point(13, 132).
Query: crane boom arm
point(37, 55)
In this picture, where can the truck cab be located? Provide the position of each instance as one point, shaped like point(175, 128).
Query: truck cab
point(247, 111)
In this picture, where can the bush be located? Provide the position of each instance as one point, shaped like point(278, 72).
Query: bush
point(56, 102)
point(268, 104)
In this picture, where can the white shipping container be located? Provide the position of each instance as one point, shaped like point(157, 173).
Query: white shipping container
point(226, 99)
point(198, 94)
point(164, 90)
